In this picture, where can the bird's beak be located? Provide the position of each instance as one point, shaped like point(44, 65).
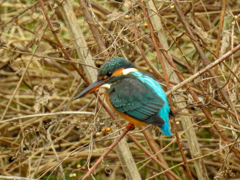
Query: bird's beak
point(90, 88)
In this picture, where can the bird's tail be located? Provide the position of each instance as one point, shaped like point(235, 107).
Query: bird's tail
point(166, 129)
point(164, 115)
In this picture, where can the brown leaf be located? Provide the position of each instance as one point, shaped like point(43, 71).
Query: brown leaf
point(42, 95)
point(38, 30)
point(57, 26)
point(223, 151)
point(114, 16)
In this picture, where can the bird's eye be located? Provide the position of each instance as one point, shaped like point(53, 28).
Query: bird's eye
point(109, 73)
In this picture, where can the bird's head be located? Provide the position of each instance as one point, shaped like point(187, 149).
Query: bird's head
point(111, 71)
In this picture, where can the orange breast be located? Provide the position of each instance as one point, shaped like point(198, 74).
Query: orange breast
point(125, 116)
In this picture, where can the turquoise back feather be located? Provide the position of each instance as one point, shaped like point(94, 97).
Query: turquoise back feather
point(165, 110)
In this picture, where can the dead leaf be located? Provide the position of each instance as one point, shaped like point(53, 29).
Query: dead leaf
point(128, 4)
point(42, 95)
point(38, 30)
point(223, 151)
point(201, 34)
point(57, 26)
point(114, 16)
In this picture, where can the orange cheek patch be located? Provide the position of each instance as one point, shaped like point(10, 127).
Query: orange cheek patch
point(119, 72)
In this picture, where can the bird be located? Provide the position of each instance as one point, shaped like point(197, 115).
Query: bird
point(136, 96)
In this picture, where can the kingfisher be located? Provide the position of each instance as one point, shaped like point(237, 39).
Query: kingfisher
point(134, 95)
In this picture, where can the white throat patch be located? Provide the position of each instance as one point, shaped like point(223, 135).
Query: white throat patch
point(106, 86)
point(129, 70)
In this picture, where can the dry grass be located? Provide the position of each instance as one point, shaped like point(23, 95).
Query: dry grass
point(43, 135)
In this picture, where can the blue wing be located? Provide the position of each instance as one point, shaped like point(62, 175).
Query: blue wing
point(165, 110)
point(135, 97)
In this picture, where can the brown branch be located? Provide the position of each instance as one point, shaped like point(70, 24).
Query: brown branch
point(88, 83)
point(136, 141)
point(209, 66)
point(194, 159)
point(146, 132)
point(128, 128)
point(66, 56)
point(166, 168)
point(223, 11)
point(153, 68)
point(202, 56)
point(19, 14)
point(205, 111)
point(15, 177)
point(98, 7)
point(167, 82)
point(95, 31)
point(219, 39)
point(233, 74)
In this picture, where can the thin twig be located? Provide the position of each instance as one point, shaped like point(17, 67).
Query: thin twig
point(106, 152)
point(223, 11)
point(202, 55)
point(97, 36)
point(211, 65)
point(48, 114)
point(205, 111)
point(156, 44)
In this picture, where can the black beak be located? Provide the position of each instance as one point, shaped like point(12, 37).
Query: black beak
point(90, 88)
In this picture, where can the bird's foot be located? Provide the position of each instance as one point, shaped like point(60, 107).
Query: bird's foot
point(130, 126)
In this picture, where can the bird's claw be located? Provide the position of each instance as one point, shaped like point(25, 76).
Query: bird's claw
point(130, 127)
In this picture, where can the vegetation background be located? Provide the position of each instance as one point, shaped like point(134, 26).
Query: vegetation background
point(50, 50)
